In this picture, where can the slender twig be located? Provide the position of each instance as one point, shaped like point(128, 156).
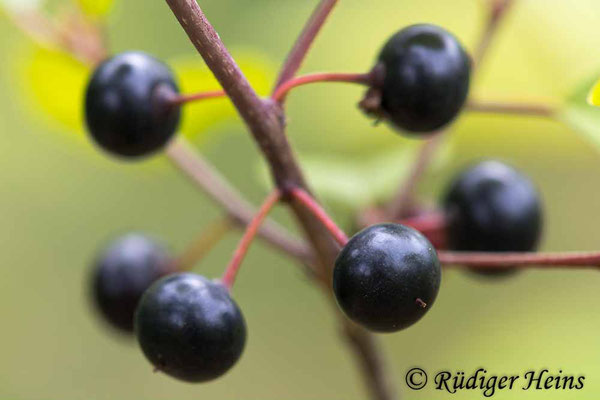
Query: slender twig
point(496, 12)
point(284, 88)
point(188, 98)
point(213, 184)
point(310, 203)
point(305, 40)
point(403, 201)
point(369, 358)
point(251, 230)
point(266, 122)
point(404, 198)
point(528, 109)
point(82, 41)
point(521, 260)
point(206, 241)
point(35, 25)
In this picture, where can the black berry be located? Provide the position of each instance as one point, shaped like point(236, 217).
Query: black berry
point(424, 73)
point(190, 328)
point(387, 277)
point(122, 272)
point(127, 104)
point(492, 207)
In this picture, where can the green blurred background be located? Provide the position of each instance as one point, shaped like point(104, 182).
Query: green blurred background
point(61, 198)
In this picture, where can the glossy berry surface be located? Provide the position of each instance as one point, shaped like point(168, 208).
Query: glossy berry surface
point(492, 207)
point(426, 78)
point(382, 273)
point(122, 272)
point(126, 105)
point(190, 328)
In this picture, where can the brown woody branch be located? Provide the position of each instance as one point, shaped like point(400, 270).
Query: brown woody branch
point(515, 108)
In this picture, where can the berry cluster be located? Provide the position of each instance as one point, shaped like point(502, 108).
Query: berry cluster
point(385, 278)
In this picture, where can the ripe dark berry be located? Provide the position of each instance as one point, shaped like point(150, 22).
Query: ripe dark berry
point(426, 74)
point(494, 208)
point(387, 277)
point(190, 328)
point(127, 104)
point(122, 272)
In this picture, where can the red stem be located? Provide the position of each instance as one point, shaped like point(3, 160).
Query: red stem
point(305, 40)
point(520, 260)
point(284, 88)
point(188, 98)
point(428, 222)
point(432, 225)
point(311, 204)
point(251, 231)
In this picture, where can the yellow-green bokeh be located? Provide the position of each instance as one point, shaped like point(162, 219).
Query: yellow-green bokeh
point(61, 197)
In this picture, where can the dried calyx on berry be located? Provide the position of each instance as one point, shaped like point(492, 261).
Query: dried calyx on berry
point(190, 328)
point(387, 277)
point(491, 207)
point(128, 105)
point(122, 272)
point(421, 80)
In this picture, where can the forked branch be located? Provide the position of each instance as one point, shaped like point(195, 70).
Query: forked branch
point(239, 210)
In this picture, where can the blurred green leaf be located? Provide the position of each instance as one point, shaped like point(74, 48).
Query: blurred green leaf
point(580, 114)
point(593, 97)
point(96, 8)
point(53, 84)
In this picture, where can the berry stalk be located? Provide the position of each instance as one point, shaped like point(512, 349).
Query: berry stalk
point(496, 12)
point(311, 204)
point(305, 40)
point(404, 199)
point(520, 260)
point(188, 98)
point(251, 231)
point(281, 92)
point(206, 241)
point(432, 225)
